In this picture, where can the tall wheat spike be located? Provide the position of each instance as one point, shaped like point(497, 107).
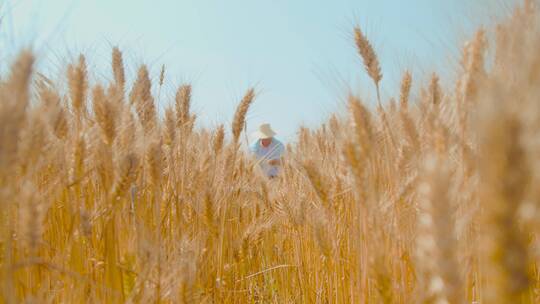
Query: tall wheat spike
point(239, 118)
point(78, 85)
point(371, 62)
point(141, 97)
point(406, 83)
point(15, 99)
point(183, 104)
point(118, 70)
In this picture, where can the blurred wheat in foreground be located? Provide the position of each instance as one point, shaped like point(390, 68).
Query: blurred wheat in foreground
point(434, 198)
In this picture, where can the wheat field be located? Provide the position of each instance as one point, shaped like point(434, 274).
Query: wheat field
point(430, 197)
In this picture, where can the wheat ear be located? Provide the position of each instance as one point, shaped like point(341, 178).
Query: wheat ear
point(240, 114)
point(371, 62)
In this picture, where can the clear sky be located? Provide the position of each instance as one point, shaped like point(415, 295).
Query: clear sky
point(299, 54)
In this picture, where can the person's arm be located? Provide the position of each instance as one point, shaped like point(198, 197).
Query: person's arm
point(278, 155)
point(274, 162)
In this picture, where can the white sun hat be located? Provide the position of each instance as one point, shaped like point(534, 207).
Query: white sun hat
point(264, 131)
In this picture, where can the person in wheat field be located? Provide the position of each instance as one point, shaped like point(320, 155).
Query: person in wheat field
point(268, 150)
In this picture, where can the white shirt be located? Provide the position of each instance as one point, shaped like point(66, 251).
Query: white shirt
point(273, 151)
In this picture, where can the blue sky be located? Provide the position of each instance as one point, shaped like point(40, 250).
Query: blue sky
point(299, 54)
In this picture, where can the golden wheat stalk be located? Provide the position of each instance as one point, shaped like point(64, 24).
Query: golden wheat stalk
point(118, 70)
point(371, 62)
point(78, 86)
point(240, 115)
point(141, 97)
point(183, 105)
point(15, 95)
point(405, 91)
point(105, 114)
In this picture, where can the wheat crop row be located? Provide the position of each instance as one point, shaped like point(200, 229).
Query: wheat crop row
point(432, 196)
